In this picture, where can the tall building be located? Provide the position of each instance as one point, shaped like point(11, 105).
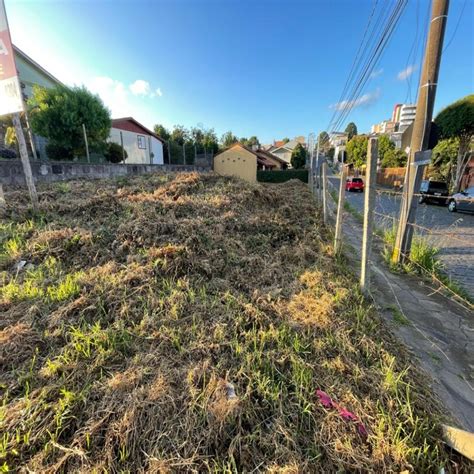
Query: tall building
point(396, 113)
point(407, 116)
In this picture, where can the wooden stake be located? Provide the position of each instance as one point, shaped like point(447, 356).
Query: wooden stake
point(325, 190)
point(369, 204)
point(30, 183)
point(2, 197)
point(86, 143)
point(340, 210)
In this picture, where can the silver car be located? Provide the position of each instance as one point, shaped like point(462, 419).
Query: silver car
point(463, 201)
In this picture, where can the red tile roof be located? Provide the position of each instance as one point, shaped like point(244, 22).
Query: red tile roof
point(131, 125)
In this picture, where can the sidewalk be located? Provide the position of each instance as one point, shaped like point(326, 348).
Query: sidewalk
point(438, 331)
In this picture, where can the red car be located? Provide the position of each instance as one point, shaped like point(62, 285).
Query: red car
point(354, 184)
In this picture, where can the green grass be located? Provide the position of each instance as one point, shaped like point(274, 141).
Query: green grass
point(423, 261)
point(398, 317)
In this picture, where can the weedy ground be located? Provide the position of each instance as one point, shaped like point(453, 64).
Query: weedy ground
point(174, 323)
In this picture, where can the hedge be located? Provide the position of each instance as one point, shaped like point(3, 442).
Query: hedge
point(280, 176)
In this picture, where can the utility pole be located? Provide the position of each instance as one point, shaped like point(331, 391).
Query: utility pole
point(421, 126)
point(25, 161)
point(169, 152)
point(184, 154)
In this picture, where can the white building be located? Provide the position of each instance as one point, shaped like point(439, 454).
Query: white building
point(407, 116)
point(141, 144)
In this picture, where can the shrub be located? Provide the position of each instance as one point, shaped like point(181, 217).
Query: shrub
point(298, 156)
point(280, 176)
point(7, 153)
point(115, 153)
point(58, 152)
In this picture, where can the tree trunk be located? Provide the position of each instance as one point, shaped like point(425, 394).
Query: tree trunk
point(462, 159)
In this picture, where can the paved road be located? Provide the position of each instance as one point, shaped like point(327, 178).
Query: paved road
point(451, 233)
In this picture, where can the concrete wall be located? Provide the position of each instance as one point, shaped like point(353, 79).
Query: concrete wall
point(135, 154)
point(237, 161)
point(11, 171)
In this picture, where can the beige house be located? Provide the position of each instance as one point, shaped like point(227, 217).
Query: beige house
point(237, 161)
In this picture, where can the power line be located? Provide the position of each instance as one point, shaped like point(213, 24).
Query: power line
point(456, 27)
point(384, 34)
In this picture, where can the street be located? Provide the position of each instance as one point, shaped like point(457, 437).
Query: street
point(451, 233)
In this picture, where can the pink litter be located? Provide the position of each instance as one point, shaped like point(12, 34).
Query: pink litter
point(345, 414)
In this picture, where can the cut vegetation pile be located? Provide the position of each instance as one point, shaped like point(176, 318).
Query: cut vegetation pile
point(185, 322)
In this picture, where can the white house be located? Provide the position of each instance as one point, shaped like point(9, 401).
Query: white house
point(141, 144)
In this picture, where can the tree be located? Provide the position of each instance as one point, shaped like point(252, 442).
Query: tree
point(180, 134)
point(351, 130)
point(357, 150)
point(209, 141)
point(457, 121)
point(115, 153)
point(324, 143)
point(394, 158)
point(443, 159)
point(228, 139)
point(286, 140)
point(59, 113)
point(161, 131)
point(250, 142)
point(298, 156)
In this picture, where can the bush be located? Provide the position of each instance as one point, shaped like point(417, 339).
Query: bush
point(58, 152)
point(298, 156)
point(280, 176)
point(115, 153)
point(7, 153)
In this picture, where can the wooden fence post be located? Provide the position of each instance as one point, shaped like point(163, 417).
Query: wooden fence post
point(86, 143)
point(2, 197)
point(25, 161)
point(325, 191)
point(369, 204)
point(340, 210)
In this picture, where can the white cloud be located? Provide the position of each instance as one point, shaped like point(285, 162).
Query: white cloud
point(376, 73)
point(122, 100)
point(363, 101)
point(140, 87)
point(113, 93)
point(406, 73)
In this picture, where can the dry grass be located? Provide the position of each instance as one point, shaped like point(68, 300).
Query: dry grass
point(184, 323)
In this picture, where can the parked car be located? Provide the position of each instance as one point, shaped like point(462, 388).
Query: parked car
point(463, 201)
point(354, 184)
point(434, 191)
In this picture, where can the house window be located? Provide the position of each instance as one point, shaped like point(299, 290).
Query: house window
point(141, 142)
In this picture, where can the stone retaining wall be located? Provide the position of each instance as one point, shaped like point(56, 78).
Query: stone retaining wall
point(11, 171)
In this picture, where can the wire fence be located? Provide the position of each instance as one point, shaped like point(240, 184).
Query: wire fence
point(384, 232)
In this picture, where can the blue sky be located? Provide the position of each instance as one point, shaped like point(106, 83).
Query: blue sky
point(269, 68)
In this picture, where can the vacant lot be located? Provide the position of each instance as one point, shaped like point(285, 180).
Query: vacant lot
point(185, 322)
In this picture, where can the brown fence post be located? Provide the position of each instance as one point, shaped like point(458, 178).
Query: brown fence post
point(340, 210)
point(369, 204)
point(325, 192)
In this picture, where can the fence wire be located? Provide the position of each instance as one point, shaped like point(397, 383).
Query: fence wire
point(422, 231)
